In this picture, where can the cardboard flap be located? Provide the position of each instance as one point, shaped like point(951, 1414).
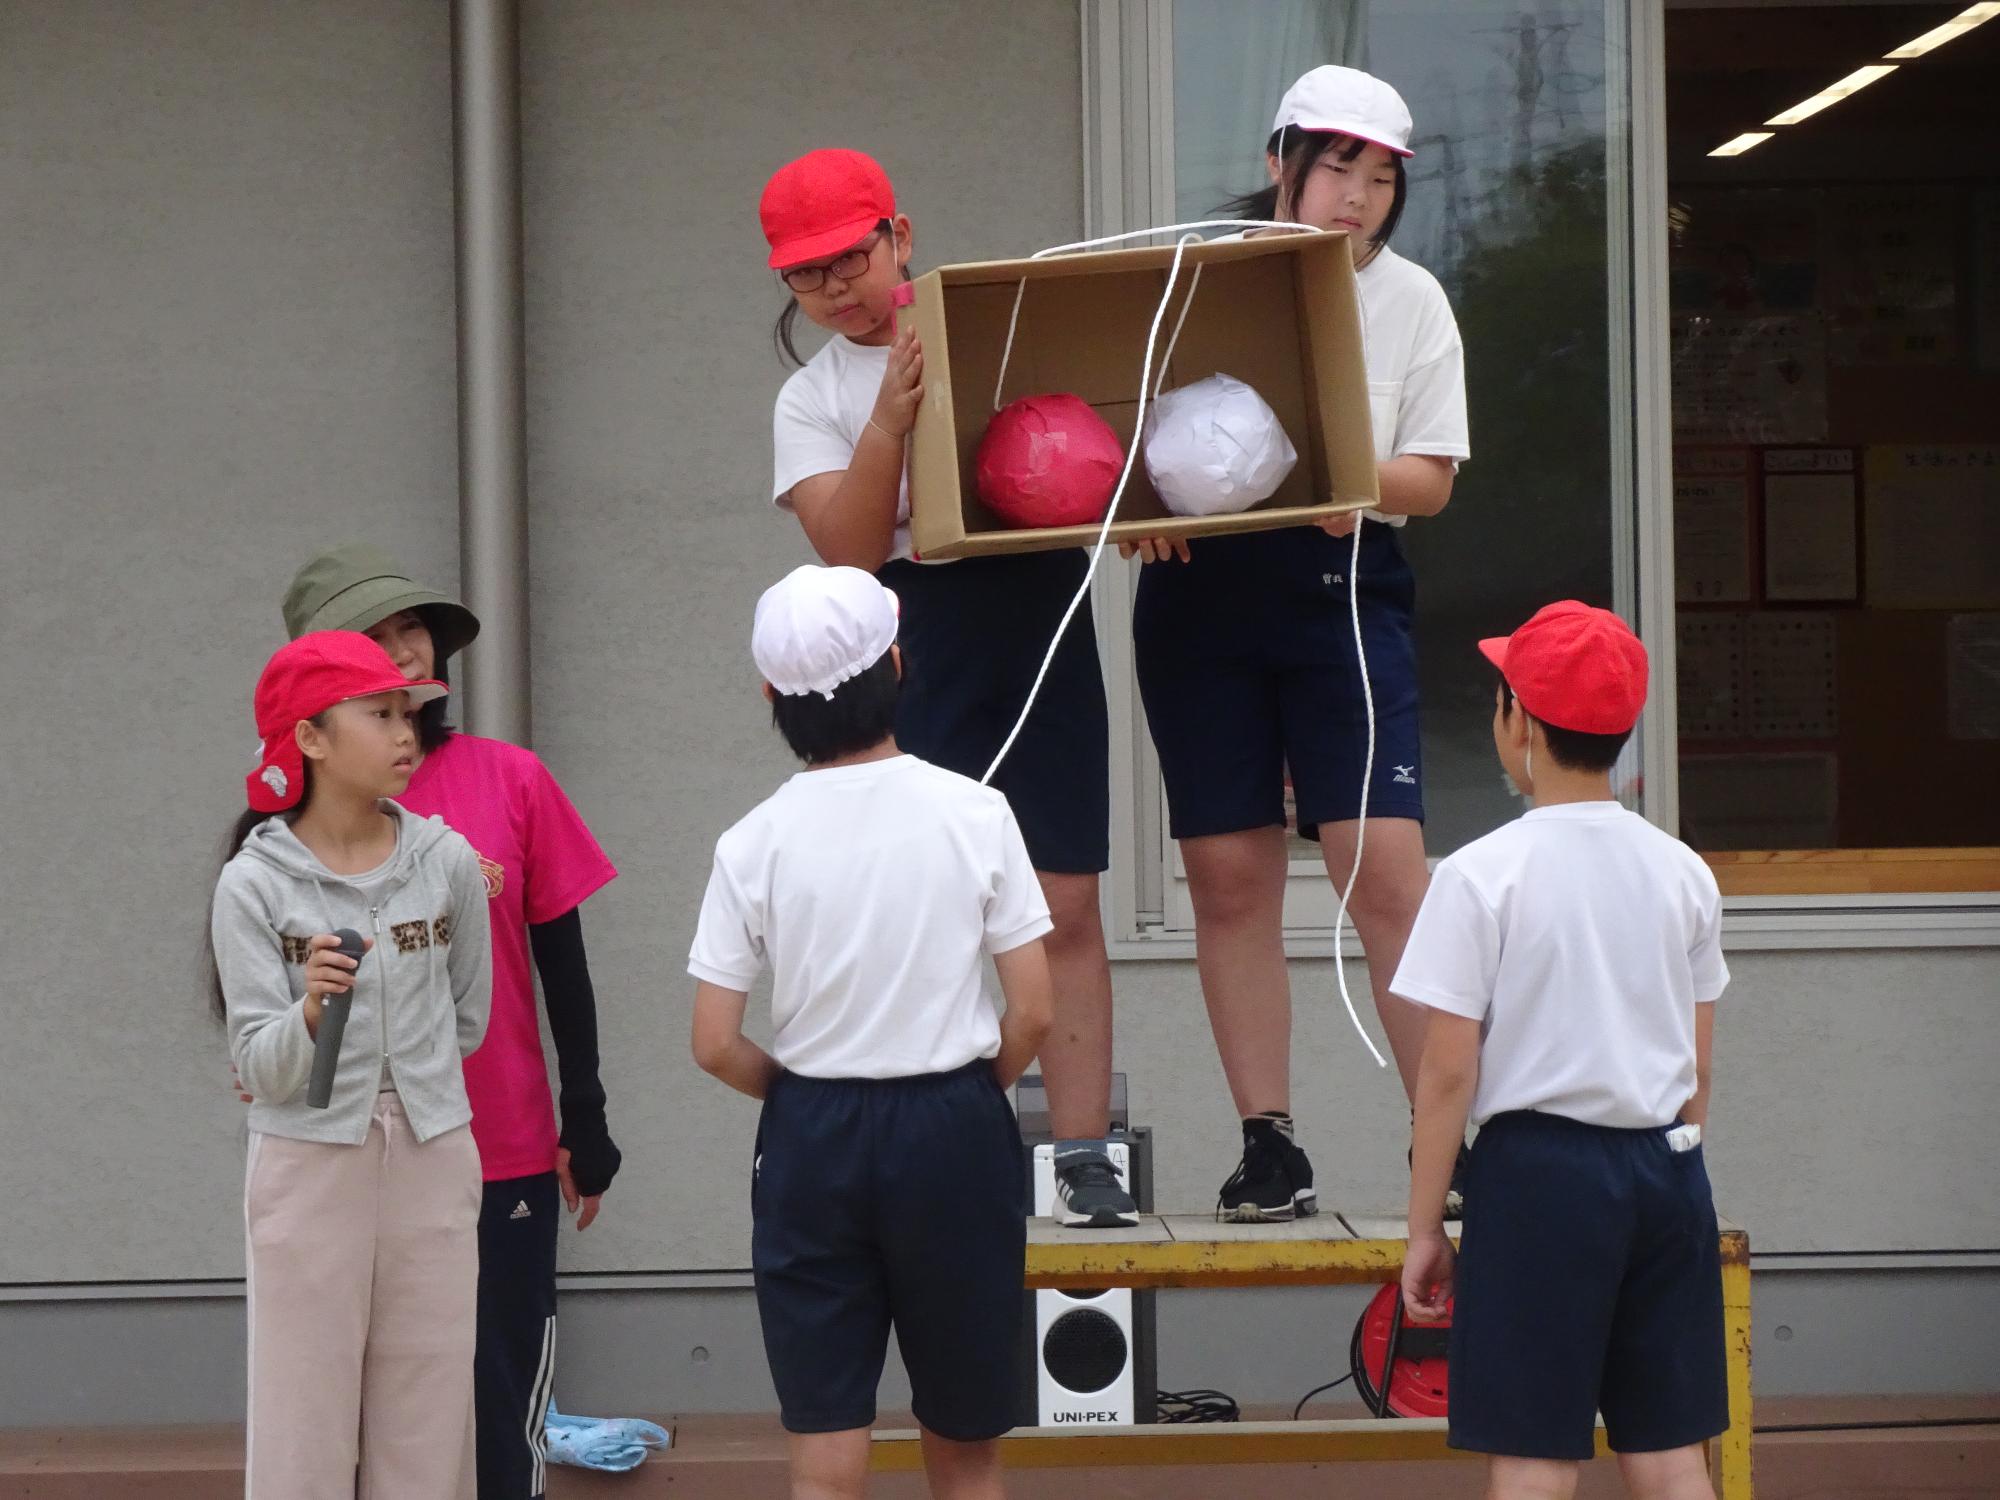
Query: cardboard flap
point(1141, 258)
point(933, 445)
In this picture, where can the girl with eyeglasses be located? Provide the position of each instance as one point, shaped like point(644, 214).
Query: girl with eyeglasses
point(973, 632)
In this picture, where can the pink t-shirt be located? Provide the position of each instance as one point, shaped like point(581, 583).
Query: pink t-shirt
point(540, 862)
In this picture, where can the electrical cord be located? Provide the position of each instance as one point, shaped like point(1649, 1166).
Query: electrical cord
point(1320, 1390)
point(1198, 1406)
point(1892, 1424)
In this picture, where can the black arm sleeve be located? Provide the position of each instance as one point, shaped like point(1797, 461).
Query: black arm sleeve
point(572, 1006)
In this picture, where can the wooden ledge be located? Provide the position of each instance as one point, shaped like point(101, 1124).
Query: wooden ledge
point(1362, 1440)
point(1854, 872)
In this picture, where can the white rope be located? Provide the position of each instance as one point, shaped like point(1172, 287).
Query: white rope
point(1014, 322)
point(1174, 339)
point(1137, 234)
point(1021, 288)
point(1007, 350)
point(1367, 781)
point(1110, 511)
point(1146, 387)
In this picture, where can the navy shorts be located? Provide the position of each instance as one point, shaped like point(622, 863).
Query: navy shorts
point(973, 635)
point(1589, 1279)
point(1247, 666)
point(899, 1202)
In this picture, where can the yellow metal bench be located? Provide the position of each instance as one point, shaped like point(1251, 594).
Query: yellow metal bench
point(1330, 1249)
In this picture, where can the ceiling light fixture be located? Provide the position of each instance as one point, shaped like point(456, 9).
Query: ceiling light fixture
point(1972, 16)
point(1958, 25)
point(1833, 93)
point(1742, 143)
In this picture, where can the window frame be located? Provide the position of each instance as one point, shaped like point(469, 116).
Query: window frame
point(1859, 898)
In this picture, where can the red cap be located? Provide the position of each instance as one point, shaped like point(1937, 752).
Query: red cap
point(822, 203)
point(1575, 667)
point(308, 677)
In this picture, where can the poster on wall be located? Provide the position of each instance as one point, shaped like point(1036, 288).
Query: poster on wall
point(1749, 378)
point(1932, 526)
point(1891, 284)
point(1972, 677)
point(1812, 549)
point(1708, 659)
point(1790, 676)
point(1711, 539)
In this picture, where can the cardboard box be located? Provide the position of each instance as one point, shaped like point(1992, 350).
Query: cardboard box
point(1278, 312)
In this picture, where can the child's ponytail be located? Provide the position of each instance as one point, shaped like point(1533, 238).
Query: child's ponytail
point(783, 335)
point(1262, 204)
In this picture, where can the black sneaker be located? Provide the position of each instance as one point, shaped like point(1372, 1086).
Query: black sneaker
point(1273, 1184)
point(1089, 1195)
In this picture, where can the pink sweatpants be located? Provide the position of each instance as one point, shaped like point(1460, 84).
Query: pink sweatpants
point(363, 1306)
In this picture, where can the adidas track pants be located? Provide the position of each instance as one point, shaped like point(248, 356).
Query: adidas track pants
point(514, 1371)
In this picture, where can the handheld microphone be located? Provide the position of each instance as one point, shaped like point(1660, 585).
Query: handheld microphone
point(332, 1023)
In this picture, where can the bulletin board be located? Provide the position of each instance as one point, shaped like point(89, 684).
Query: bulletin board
point(1837, 521)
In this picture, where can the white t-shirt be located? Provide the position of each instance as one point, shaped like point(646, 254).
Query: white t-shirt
point(1416, 364)
point(1583, 937)
point(819, 419)
point(872, 891)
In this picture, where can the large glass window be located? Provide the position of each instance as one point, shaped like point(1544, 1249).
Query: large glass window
point(1509, 207)
point(1746, 397)
point(1836, 420)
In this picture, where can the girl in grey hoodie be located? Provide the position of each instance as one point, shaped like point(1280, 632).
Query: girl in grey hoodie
point(362, 1217)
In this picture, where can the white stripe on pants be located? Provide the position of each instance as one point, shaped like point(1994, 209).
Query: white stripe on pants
point(538, 1409)
point(363, 1310)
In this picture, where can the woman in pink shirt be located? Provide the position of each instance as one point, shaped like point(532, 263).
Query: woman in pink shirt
point(540, 863)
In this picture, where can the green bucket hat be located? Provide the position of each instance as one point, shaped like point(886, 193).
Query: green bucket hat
point(358, 586)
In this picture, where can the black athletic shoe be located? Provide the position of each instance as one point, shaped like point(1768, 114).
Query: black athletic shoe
point(1272, 1184)
point(1088, 1193)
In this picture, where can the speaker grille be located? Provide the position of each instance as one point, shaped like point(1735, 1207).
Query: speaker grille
point(1085, 1350)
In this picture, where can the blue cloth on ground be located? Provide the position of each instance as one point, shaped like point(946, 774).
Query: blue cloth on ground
point(611, 1443)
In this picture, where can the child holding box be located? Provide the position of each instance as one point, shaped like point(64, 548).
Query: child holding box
point(974, 631)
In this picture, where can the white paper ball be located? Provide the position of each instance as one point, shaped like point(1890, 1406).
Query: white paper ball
point(1215, 447)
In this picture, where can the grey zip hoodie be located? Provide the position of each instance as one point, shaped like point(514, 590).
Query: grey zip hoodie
point(421, 996)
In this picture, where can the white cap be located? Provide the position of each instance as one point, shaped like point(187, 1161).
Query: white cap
point(1349, 101)
point(1215, 447)
point(819, 627)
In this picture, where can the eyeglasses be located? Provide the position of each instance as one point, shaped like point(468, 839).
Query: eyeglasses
point(845, 266)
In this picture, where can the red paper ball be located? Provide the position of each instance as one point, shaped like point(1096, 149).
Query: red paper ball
point(1049, 461)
